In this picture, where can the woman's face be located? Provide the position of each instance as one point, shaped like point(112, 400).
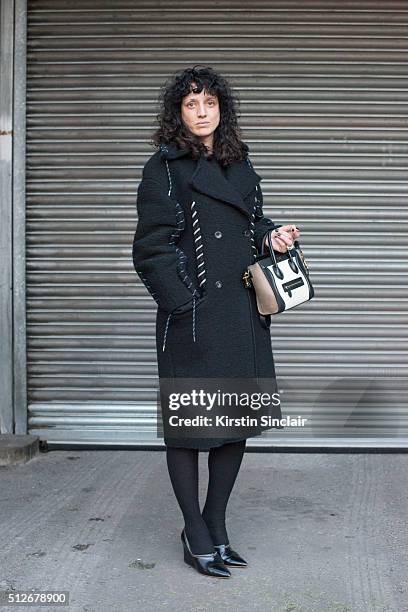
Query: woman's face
point(201, 113)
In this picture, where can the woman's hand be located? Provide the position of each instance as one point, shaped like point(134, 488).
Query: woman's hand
point(282, 238)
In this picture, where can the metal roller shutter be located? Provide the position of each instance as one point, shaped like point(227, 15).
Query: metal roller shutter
point(324, 99)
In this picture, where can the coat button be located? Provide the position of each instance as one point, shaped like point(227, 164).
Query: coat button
point(246, 232)
point(218, 234)
point(218, 284)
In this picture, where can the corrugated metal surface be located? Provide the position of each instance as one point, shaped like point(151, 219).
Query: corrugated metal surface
point(324, 91)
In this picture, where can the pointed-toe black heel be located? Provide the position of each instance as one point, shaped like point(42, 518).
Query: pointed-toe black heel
point(229, 556)
point(209, 564)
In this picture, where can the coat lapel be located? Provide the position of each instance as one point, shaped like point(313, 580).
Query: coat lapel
point(239, 180)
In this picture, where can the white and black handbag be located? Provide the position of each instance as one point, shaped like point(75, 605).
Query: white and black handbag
point(280, 281)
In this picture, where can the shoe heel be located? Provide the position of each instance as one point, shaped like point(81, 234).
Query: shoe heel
point(187, 558)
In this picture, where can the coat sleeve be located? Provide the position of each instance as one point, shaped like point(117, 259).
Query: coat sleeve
point(262, 225)
point(156, 259)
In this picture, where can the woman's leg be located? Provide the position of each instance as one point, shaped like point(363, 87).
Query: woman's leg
point(182, 464)
point(223, 467)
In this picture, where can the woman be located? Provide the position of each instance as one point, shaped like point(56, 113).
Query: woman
point(200, 223)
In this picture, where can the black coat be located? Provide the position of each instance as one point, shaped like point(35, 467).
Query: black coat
point(199, 226)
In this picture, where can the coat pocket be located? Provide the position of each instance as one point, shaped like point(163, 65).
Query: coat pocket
point(182, 313)
point(187, 308)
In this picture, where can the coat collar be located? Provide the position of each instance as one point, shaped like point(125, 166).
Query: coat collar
point(239, 180)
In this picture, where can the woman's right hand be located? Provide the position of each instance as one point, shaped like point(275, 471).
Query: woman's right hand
point(282, 238)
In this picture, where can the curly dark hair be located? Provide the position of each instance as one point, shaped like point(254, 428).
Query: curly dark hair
point(228, 146)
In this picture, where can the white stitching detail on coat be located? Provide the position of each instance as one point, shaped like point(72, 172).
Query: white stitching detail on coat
point(165, 331)
point(148, 287)
point(182, 259)
point(198, 246)
point(256, 211)
point(169, 177)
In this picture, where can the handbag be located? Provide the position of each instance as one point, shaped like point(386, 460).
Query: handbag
point(280, 281)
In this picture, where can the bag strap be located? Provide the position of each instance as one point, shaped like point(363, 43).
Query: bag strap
point(271, 250)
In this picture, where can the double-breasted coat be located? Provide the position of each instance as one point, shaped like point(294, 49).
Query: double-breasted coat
point(199, 226)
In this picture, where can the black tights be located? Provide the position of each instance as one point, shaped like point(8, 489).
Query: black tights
point(206, 529)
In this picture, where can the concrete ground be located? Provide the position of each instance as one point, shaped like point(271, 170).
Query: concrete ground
point(321, 532)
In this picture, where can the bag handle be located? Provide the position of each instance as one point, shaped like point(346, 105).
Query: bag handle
point(272, 253)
